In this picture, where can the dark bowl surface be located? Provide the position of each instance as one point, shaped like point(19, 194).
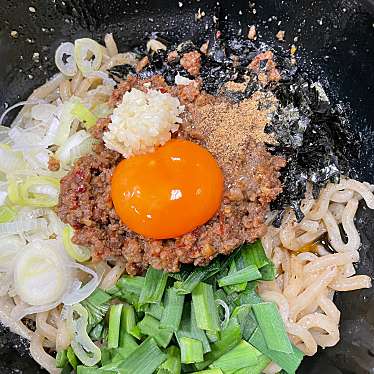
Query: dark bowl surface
point(335, 41)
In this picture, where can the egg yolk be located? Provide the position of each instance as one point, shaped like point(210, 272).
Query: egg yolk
point(169, 192)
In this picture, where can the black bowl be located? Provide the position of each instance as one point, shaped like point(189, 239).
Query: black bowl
point(335, 41)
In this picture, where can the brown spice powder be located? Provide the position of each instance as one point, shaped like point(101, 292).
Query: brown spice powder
point(227, 128)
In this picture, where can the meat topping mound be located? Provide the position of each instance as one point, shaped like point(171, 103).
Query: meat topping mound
point(251, 183)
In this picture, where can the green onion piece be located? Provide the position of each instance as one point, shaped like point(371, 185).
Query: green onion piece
point(61, 359)
point(262, 362)
point(144, 360)
point(206, 311)
point(7, 214)
point(247, 274)
point(122, 353)
point(172, 315)
point(113, 291)
point(188, 327)
point(254, 254)
point(87, 370)
point(97, 305)
point(84, 115)
point(230, 338)
point(151, 326)
point(114, 325)
point(76, 252)
point(268, 272)
point(272, 327)
point(128, 320)
point(127, 342)
point(287, 361)
point(136, 333)
point(84, 348)
point(155, 310)
point(196, 276)
point(97, 332)
point(213, 336)
point(191, 350)
point(236, 287)
point(106, 356)
point(249, 295)
point(172, 365)
point(243, 355)
point(131, 298)
point(154, 286)
point(72, 358)
point(246, 319)
point(209, 371)
point(131, 284)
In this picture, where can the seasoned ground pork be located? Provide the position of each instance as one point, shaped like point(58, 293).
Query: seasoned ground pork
point(251, 183)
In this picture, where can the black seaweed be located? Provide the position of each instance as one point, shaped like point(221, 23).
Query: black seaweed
point(315, 138)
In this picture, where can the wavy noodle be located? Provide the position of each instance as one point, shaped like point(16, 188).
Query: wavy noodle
point(45, 328)
point(65, 90)
point(305, 286)
point(113, 275)
point(40, 355)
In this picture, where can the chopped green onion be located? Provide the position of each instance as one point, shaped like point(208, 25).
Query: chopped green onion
point(144, 360)
point(172, 365)
point(7, 214)
point(128, 320)
point(106, 356)
point(76, 252)
point(272, 327)
point(191, 350)
point(114, 325)
point(254, 254)
point(172, 315)
point(213, 336)
point(61, 359)
point(136, 333)
point(131, 284)
point(247, 274)
point(127, 342)
point(154, 286)
point(205, 307)
point(113, 291)
point(155, 310)
point(249, 295)
point(230, 338)
point(239, 287)
point(262, 362)
point(243, 355)
point(41, 192)
point(268, 272)
point(87, 370)
point(84, 348)
point(72, 358)
point(97, 306)
point(151, 326)
point(121, 354)
point(188, 328)
point(246, 319)
point(131, 298)
point(196, 276)
point(97, 332)
point(209, 371)
point(84, 115)
point(287, 361)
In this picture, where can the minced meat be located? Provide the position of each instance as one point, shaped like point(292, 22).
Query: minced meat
point(251, 183)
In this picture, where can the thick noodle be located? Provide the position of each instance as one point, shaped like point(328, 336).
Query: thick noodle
point(306, 282)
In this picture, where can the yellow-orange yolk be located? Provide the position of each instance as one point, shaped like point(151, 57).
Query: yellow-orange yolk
point(169, 192)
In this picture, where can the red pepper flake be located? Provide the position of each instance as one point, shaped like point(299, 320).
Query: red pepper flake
point(218, 34)
point(81, 188)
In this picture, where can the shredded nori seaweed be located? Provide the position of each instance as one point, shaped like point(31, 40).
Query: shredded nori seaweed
point(312, 134)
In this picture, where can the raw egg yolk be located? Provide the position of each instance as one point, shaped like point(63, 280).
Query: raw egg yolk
point(169, 192)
